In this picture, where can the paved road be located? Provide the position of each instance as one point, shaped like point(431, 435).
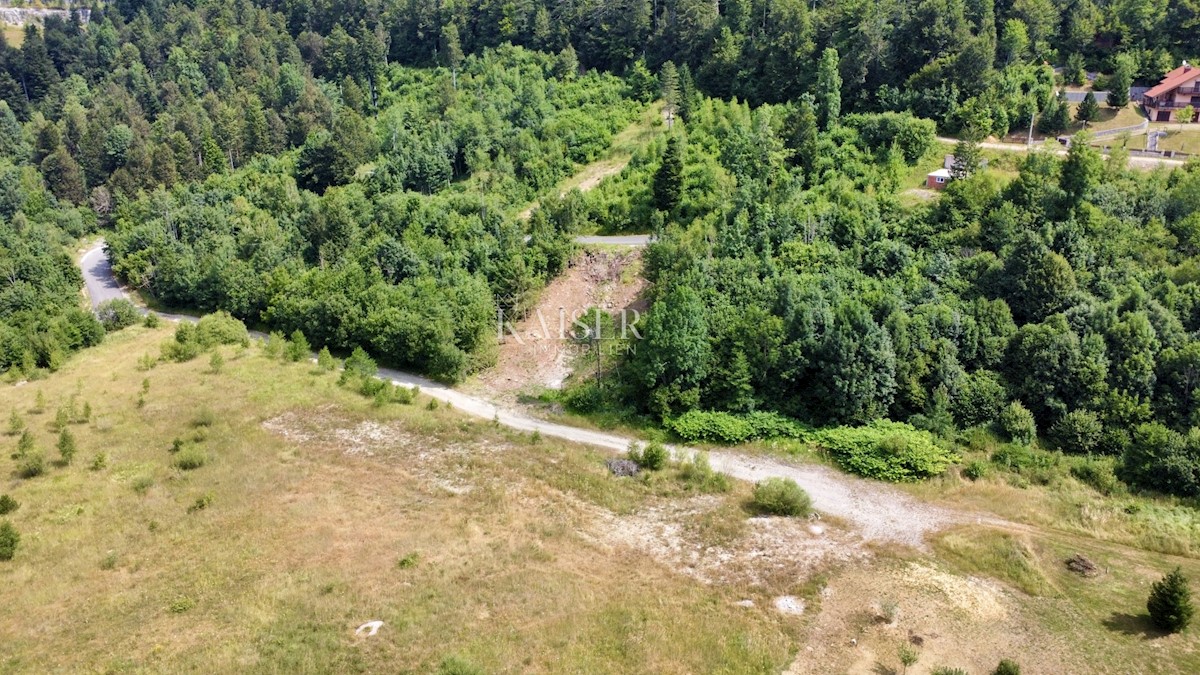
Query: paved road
point(98, 276)
point(1078, 96)
point(877, 512)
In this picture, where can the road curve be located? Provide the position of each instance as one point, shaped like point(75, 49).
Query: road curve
point(98, 277)
point(877, 511)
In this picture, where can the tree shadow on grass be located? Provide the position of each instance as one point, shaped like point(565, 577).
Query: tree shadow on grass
point(881, 669)
point(1133, 625)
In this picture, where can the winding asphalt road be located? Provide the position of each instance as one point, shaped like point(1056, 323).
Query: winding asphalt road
point(875, 511)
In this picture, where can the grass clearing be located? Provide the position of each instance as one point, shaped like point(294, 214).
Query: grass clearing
point(1181, 139)
point(268, 556)
point(13, 35)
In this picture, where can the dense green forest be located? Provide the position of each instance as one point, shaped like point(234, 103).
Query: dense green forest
point(1064, 303)
point(353, 170)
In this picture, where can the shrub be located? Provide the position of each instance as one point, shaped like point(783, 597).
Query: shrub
point(1078, 431)
point(948, 671)
point(325, 360)
point(1017, 422)
point(781, 497)
point(9, 539)
point(190, 458)
point(1099, 474)
point(975, 470)
point(142, 484)
point(15, 424)
point(698, 473)
point(32, 464)
point(885, 450)
point(66, 446)
point(409, 561)
point(99, 461)
point(274, 345)
point(25, 444)
point(1007, 667)
point(359, 365)
point(202, 502)
point(654, 457)
point(298, 348)
point(181, 604)
point(1170, 602)
point(908, 656)
point(220, 328)
point(730, 429)
point(151, 320)
point(204, 418)
point(117, 314)
point(8, 505)
point(216, 362)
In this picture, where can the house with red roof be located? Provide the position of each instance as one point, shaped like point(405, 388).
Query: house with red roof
point(1179, 89)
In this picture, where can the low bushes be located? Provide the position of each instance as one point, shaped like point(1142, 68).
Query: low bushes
point(117, 314)
point(730, 429)
point(651, 458)
point(211, 330)
point(9, 539)
point(191, 457)
point(781, 497)
point(891, 451)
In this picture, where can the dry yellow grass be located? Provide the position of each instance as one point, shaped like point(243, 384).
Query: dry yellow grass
point(300, 542)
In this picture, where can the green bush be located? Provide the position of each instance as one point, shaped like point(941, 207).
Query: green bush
point(117, 314)
point(181, 604)
point(142, 484)
point(948, 671)
point(325, 360)
point(32, 465)
point(1170, 602)
point(66, 446)
point(8, 505)
point(9, 539)
point(190, 458)
point(1007, 667)
point(205, 417)
point(220, 328)
point(975, 469)
point(730, 429)
point(298, 347)
point(698, 473)
point(884, 450)
point(653, 458)
point(1018, 424)
point(1078, 431)
point(781, 497)
point(202, 502)
point(1100, 474)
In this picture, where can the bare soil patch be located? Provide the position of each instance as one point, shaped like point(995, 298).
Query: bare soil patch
point(536, 351)
point(771, 555)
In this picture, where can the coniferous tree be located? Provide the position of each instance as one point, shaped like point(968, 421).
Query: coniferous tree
point(1089, 110)
point(66, 446)
point(1121, 81)
point(1170, 602)
point(668, 181)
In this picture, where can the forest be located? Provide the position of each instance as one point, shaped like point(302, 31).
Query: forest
point(355, 171)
